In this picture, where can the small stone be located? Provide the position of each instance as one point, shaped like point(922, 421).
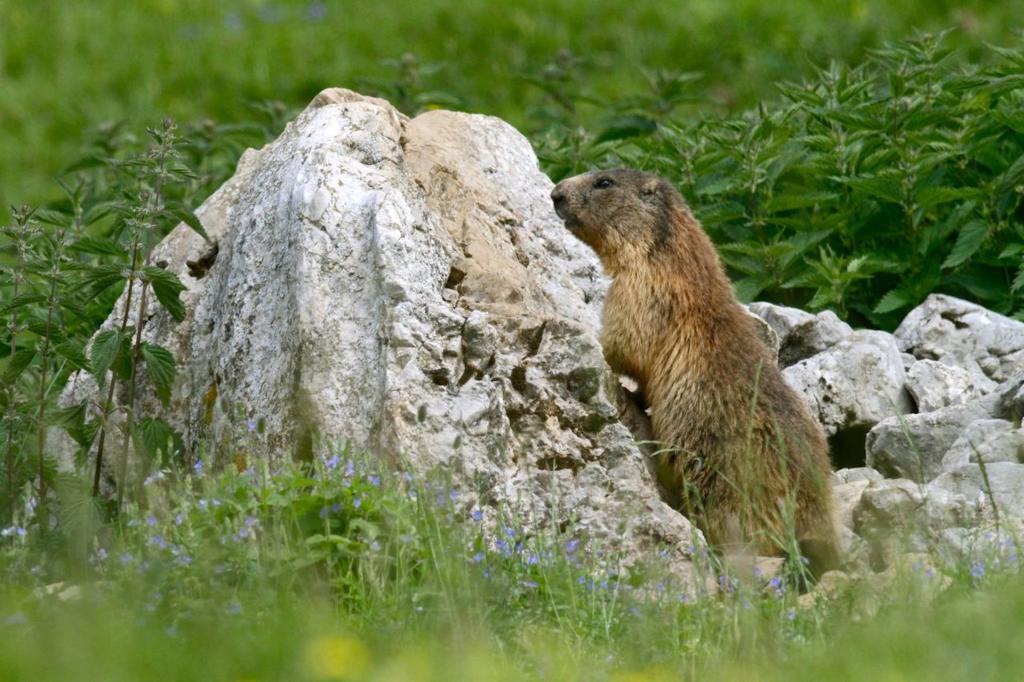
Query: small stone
point(801, 334)
point(854, 474)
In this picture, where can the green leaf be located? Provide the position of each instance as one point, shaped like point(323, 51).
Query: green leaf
point(20, 301)
point(972, 236)
point(99, 211)
point(100, 277)
point(190, 219)
point(623, 127)
point(1018, 281)
point(105, 346)
point(933, 196)
point(789, 202)
point(51, 217)
point(72, 352)
point(748, 288)
point(18, 362)
point(167, 288)
point(1011, 251)
point(84, 433)
point(68, 418)
point(1010, 178)
point(161, 369)
point(885, 186)
point(87, 162)
point(155, 441)
point(894, 300)
point(98, 246)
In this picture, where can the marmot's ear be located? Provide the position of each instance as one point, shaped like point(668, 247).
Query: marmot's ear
point(649, 188)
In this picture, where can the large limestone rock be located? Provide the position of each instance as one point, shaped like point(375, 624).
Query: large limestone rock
point(855, 383)
point(404, 285)
point(990, 440)
point(998, 483)
point(934, 385)
point(913, 446)
point(956, 332)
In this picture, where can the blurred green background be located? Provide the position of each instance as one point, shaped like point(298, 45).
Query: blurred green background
point(67, 66)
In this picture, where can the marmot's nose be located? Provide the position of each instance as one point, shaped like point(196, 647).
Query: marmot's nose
point(558, 198)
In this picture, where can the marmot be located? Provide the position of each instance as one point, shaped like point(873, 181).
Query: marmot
point(739, 450)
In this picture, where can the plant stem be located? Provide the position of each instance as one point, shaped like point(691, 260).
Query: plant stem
point(130, 409)
point(108, 406)
point(51, 305)
point(153, 205)
point(9, 454)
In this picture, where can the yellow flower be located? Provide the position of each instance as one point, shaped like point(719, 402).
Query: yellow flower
point(337, 657)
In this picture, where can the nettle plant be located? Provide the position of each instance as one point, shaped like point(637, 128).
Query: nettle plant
point(863, 190)
point(63, 268)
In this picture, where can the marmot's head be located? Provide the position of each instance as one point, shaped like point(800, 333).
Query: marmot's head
point(622, 214)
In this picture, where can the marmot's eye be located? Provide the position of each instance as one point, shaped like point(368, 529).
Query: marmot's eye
point(603, 183)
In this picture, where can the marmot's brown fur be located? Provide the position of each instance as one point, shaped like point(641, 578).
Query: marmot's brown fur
point(740, 450)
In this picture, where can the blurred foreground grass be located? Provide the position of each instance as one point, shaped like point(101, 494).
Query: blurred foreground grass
point(66, 67)
point(339, 573)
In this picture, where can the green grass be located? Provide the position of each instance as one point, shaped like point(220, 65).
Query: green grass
point(332, 573)
point(66, 67)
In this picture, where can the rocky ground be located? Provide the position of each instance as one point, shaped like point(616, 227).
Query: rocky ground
point(925, 423)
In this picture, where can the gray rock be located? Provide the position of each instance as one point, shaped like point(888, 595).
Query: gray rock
point(854, 474)
point(854, 384)
point(991, 440)
point(963, 334)
point(988, 546)
point(934, 385)
point(892, 503)
point(1011, 398)
point(404, 285)
point(766, 332)
point(801, 334)
point(846, 497)
point(913, 445)
point(899, 515)
point(1000, 482)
